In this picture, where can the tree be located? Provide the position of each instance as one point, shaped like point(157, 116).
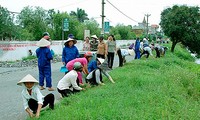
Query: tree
point(80, 15)
point(93, 26)
point(34, 21)
point(123, 32)
point(6, 24)
point(181, 24)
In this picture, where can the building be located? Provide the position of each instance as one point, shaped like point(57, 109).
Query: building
point(141, 29)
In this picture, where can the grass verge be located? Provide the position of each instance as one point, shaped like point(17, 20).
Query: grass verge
point(154, 88)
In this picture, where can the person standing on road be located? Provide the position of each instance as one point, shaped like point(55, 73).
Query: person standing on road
point(111, 48)
point(94, 43)
point(68, 84)
point(70, 51)
point(101, 48)
point(44, 56)
point(33, 100)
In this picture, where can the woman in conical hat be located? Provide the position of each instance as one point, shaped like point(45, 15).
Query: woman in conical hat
point(33, 100)
point(70, 51)
point(44, 56)
point(94, 43)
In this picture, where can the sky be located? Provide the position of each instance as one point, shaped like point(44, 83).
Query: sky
point(134, 10)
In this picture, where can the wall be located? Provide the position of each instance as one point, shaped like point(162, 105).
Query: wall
point(16, 50)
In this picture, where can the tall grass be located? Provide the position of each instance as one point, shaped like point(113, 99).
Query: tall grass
point(154, 88)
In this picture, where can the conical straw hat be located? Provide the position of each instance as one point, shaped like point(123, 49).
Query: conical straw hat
point(101, 60)
point(94, 36)
point(70, 39)
point(27, 78)
point(43, 43)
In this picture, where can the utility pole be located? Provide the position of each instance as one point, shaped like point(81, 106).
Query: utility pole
point(147, 23)
point(102, 17)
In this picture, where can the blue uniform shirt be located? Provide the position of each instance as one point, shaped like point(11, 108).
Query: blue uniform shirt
point(92, 65)
point(44, 56)
point(69, 54)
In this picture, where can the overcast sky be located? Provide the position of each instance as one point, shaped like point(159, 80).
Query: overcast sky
point(134, 9)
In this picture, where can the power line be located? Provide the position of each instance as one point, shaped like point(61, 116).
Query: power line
point(121, 11)
point(13, 12)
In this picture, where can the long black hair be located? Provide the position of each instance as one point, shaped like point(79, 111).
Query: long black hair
point(113, 37)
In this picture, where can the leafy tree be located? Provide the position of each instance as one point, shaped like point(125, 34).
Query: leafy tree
point(80, 15)
point(181, 24)
point(123, 32)
point(6, 24)
point(93, 26)
point(57, 25)
point(34, 21)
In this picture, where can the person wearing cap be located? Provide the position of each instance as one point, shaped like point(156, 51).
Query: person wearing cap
point(46, 36)
point(44, 56)
point(84, 62)
point(101, 48)
point(33, 100)
point(70, 51)
point(95, 72)
point(68, 84)
point(145, 42)
point(94, 43)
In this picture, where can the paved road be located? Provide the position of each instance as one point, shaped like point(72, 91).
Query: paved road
point(11, 106)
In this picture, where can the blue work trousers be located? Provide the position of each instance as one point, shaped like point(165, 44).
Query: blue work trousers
point(45, 73)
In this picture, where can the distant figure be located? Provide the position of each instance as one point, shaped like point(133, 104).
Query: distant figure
point(160, 50)
point(44, 56)
point(33, 100)
point(68, 84)
point(119, 53)
point(30, 53)
point(101, 48)
point(131, 46)
point(147, 50)
point(94, 43)
point(145, 42)
point(86, 44)
point(137, 48)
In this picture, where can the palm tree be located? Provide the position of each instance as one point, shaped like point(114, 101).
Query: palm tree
point(80, 15)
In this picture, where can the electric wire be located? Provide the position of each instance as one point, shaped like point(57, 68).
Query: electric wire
point(121, 11)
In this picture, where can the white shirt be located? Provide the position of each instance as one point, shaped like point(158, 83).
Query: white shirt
point(124, 52)
point(35, 94)
point(68, 80)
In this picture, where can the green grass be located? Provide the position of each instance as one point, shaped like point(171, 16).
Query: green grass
point(166, 88)
point(30, 57)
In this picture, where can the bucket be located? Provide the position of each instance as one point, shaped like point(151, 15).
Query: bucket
point(63, 69)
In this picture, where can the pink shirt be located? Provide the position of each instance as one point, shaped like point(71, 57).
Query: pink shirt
point(70, 64)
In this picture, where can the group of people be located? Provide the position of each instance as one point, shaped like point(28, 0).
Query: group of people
point(105, 50)
point(144, 48)
point(90, 66)
point(72, 81)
